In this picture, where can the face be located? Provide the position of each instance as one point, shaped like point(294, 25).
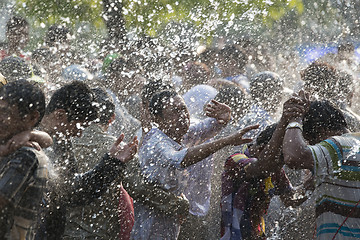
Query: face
point(19, 36)
point(62, 127)
point(175, 120)
point(11, 122)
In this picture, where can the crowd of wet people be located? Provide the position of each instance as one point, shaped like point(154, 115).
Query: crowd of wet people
point(135, 143)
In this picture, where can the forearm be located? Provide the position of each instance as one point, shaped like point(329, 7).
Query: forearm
point(42, 138)
point(296, 153)
point(94, 183)
point(197, 153)
point(151, 195)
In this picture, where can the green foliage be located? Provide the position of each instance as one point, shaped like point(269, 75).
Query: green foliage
point(148, 16)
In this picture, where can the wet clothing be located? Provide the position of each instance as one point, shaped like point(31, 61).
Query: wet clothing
point(245, 200)
point(160, 160)
point(23, 182)
point(71, 189)
point(336, 169)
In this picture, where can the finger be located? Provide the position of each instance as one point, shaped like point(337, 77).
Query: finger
point(119, 140)
point(246, 140)
point(249, 128)
point(215, 102)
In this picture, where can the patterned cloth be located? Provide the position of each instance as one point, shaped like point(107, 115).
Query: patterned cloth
point(160, 161)
point(245, 200)
point(337, 172)
point(23, 179)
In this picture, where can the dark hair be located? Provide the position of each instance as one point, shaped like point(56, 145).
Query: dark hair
point(26, 96)
point(158, 101)
point(265, 136)
point(234, 52)
point(16, 21)
point(322, 115)
point(265, 84)
point(151, 88)
point(320, 78)
point(15, 68)
point(106, 105)
point(77, 99)
point(57, 33)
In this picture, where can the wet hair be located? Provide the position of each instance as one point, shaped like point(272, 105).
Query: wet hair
point(151, 88)
point(345, 84)
point(77, 99)
point(320, 78)
point(27, 97)
point(15, 68)
point(158, 101)
point(57, 33)
point(235, 98)
point(265, 136)
point(322, 115)
point(234, 52)
point(106, 105)
point(42, 56)
point(16, 22)
point(264, 85)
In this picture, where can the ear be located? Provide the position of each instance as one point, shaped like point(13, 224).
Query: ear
point(112, 119)
point(32, 119)
point(60, 114)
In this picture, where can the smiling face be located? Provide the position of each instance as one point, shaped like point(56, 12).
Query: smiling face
point(175, 118)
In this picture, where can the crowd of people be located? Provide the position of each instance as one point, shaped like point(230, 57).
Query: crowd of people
point(135, 143)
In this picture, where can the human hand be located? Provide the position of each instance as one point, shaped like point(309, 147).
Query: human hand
point(296, 107)
point(236, 138)
point(220, 111)
point(124, 153)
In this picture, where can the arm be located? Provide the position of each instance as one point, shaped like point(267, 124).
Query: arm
point(269, 159)
point(296, 152)
point(197, 153)
point(92, 184)
point(34, 139)
point(151, 195)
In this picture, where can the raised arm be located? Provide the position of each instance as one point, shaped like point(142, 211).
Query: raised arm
point(269, 159)
point(202, 151)
point(296, 152)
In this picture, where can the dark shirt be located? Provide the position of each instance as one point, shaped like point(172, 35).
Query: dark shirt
point(70, 189)
point(23, 179)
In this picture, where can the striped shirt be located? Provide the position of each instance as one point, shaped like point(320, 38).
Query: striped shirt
point(337, 172)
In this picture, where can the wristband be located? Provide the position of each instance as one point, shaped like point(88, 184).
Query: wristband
point(294, 125)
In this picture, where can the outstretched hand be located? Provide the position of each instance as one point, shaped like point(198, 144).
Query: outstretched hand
point(220, 111)
point(124, 153)
point(236, 138)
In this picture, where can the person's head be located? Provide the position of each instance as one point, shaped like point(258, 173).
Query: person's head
point(17, 32)
point(106, 106)
point(232, 60)
point(262, 140)
point(152, 87)
point(195, 73)
point(320, 80)
point(15, 68)
point(345, 85)
point(58, 35)
point(22, 106)
point(71, 108)
point(121, 76)
point(170, 113)
point(236, 98)
point(322, 121)
point(266, 90)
